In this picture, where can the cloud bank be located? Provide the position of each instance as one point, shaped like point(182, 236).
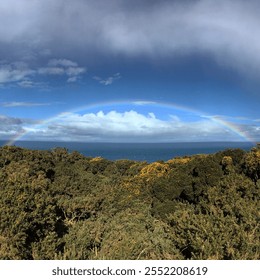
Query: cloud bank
point(128, 126)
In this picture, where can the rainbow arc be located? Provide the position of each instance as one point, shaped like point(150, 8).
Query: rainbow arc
point(230, 127)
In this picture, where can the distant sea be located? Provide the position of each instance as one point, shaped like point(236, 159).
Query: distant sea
point(149, 152)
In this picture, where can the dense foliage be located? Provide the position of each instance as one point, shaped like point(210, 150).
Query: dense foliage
point(61, 205)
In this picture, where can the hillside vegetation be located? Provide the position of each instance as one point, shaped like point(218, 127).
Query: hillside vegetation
point(61, 205)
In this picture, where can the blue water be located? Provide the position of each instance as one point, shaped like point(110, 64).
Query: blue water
point(136, 151)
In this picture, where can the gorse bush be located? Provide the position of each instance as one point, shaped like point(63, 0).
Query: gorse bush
point(61, 205)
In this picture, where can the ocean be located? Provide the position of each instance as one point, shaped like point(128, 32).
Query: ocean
point(149, 152)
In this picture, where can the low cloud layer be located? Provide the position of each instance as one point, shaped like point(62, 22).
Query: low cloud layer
point(129, 126)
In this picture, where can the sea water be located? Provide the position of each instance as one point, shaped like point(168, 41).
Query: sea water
point(149, 152)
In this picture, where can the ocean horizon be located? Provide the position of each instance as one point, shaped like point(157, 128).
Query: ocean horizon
point(149, 152)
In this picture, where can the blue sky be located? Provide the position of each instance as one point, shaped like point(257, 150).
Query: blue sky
point(129, 71)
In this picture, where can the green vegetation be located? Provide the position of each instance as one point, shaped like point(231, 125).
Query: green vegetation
point(61, 205)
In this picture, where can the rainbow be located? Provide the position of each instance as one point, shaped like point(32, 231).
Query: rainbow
point(230, 127)
point(235, 129)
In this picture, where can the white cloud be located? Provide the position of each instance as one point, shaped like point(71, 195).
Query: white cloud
point(109, 80)
point(51, 71)
point(63, 67)
point(72, 79)
point(131, 126)
point(143, 103)
point(31, 84)
point(14, 72)
point(62, 62)
point(23, 104)
point(75, 71)
point(24, 76)
point(128, 126)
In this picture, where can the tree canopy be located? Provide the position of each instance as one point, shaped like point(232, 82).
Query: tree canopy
point(61, 205)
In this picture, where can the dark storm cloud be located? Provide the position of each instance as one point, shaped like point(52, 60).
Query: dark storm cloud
point(227, 30)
